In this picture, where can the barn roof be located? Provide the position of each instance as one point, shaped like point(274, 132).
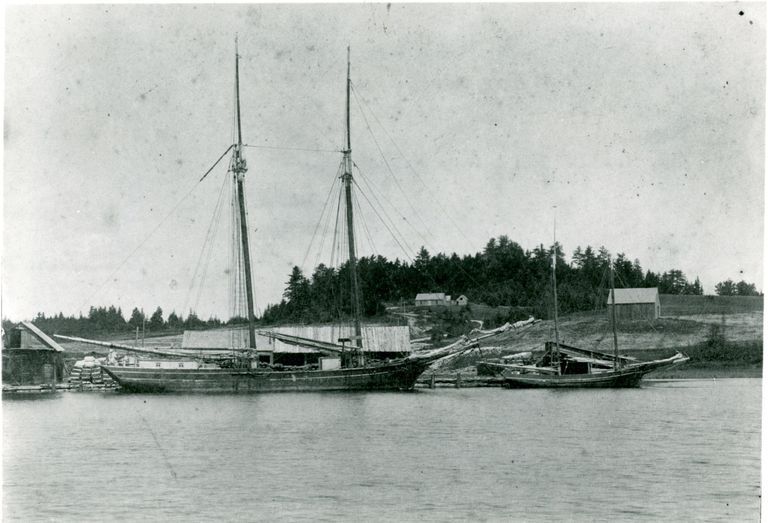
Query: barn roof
point(430, 296)
point(40, 335)
point(625, 296)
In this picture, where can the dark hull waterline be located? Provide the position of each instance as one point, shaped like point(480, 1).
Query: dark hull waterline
point(601, 380)
point(626, 377)
point(395, 376)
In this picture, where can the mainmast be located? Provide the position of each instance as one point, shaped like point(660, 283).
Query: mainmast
point(239, 168)
point(347, 179)
point(616, 363)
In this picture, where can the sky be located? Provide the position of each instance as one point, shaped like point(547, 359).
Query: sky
point(639, 127)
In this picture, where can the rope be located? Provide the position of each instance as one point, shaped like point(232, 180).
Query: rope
point(319, 220)
point(216, 220)
point(385, 223)
point(397, 182)
point(208, 238)
point(365, 229)
point(293, 148)
point(326, 227)
point(391, 221)
point(410, 166)
point(151, 233)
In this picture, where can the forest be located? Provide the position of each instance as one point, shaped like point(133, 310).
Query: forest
point(503, 274)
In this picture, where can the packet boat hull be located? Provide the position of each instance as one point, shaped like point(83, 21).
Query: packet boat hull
point(399, 375)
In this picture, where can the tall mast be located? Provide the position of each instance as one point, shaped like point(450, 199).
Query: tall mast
point(347, 179)
point(554, 290)
point(613, 319)
point(239, 168)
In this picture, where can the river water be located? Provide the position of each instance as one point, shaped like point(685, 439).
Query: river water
point(670, 450)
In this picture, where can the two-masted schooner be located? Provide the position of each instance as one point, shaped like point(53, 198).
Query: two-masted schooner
point(563, 366)
point(251, 369)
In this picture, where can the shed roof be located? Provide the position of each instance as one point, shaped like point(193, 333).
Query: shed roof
point(430, 296)
point(644, 295)
point(377, 338)
point(40, 335)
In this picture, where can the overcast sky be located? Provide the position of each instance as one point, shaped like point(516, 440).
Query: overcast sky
point(642, 123)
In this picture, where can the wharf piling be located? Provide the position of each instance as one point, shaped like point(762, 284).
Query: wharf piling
point(457, 380)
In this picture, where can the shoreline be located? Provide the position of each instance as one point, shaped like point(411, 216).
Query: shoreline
point(697, 371)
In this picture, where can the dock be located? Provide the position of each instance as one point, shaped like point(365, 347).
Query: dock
point(58, 387)
point(457, 380)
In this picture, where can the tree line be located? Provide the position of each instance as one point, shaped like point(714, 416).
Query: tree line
point(110, 319)
point(502, 274)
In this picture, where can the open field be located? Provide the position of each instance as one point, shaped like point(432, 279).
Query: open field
point(683, 305)
point(593, 332)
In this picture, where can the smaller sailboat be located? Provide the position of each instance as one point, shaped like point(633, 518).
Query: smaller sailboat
point(563, 366)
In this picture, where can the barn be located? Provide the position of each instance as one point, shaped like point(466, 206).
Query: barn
point(31, 357)
point(635, 304)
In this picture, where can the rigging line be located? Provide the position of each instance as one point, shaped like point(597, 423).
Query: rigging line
point(319, 220)
point(410, 166)
point(389, 168)
point(335, 245)
point(142, 242)
point(216, 162)
point(384, 222)
point(383, 209)
point(326, 227)
point(215, 226)
point(205, 246)
point(293, 148)
point(365, 229)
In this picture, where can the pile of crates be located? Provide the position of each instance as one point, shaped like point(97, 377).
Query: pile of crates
point(86, 374)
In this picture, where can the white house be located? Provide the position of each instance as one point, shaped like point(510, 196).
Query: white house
point(435, 298)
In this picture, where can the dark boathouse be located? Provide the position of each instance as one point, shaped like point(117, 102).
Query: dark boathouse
point(31, 357)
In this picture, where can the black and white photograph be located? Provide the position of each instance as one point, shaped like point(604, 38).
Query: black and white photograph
point(383, 261)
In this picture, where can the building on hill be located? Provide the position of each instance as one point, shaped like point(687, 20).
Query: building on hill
point(434, 298)
point(462, 301)
point(635, 304)
point(31, 357)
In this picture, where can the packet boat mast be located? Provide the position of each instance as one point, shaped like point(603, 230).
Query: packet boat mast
point(347, 180)
point(239, 168)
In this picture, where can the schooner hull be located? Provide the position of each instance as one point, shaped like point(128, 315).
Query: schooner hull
point(398, 376)
point(602, 380)
point(626, 377)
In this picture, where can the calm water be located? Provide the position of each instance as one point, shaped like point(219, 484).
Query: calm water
point(671, 450)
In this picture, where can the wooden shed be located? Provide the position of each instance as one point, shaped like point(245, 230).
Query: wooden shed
point(379, 341)
point(31, 357)
point(635, 304)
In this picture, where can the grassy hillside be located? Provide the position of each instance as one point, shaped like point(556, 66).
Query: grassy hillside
point(674, 305)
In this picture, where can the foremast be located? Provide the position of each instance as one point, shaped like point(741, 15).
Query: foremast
point(616, 361)
point(347, 180)
point(556, 354)
point(239, 168)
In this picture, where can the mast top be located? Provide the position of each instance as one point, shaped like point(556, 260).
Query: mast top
point(349, 83)
point(239, 166)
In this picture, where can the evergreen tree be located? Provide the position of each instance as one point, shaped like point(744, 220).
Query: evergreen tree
point(156, 320)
